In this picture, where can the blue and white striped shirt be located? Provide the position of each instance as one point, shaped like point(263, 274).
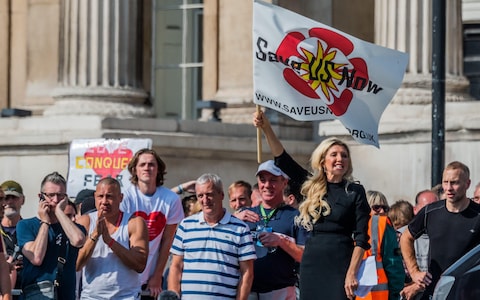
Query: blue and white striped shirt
point(212, 255)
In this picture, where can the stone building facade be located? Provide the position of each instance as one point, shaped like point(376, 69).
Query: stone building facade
point(116, 69)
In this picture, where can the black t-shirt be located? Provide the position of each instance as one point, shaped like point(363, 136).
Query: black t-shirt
point(451, 234)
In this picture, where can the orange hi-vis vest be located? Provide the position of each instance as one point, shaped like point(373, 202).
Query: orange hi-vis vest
point(376, 230)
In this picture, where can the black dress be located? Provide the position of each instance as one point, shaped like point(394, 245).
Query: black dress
point(329, 249)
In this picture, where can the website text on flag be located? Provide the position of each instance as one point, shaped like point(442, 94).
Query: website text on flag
point(310, 71)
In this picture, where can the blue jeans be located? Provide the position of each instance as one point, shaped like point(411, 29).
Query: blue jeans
point(43, 290)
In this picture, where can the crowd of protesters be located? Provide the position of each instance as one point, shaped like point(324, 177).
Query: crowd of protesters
point(303, 236)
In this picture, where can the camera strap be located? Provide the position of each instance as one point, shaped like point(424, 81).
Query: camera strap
point(62, 244)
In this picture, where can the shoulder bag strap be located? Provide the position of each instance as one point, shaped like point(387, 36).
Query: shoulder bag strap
point(62, 244)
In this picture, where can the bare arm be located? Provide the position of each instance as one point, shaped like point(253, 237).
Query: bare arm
point(351, 282)
point(74, 234)
point(247, 216)
point(175, 274)
point(188, 186)
point(86, 251)
point(5, 283)
point(285, 242)
point(13, 272)
point(155, 282)
point(408, 253)
point(260, 120)
point(410, 290)
point(35, 250)
point(246, 279)
point(136, 256)
point(294, 250)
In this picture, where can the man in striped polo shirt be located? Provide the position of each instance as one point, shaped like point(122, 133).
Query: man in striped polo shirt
point(213, 252)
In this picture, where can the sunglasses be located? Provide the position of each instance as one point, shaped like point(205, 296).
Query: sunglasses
point(378, 207)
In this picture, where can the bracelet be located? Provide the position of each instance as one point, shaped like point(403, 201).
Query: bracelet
point(180, 189)
point(92, 238)
point(110, 244)
point(44, 222)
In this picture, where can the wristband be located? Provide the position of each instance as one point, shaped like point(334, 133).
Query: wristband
point(93, 239)
point(180, 189)
point(110, 244)
point(44, 222)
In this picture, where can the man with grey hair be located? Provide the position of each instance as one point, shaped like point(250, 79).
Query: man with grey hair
point(50, 243)
point(213, 251)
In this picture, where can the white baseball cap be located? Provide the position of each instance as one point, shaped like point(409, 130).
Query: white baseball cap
point(270, 167)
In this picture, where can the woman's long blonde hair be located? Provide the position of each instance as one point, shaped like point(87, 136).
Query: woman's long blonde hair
point(315, 188)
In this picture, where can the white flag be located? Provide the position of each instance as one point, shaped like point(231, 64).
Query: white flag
point(310, 71)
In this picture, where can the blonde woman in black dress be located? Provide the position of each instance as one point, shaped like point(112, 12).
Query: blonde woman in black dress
point(335, 211)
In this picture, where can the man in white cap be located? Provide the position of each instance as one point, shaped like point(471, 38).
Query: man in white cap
point(279, 242)
point(14, 199)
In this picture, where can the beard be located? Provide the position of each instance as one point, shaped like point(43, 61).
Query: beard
point(10, 212)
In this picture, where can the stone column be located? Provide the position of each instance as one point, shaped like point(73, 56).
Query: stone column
point(100, 60)
point(406, 25)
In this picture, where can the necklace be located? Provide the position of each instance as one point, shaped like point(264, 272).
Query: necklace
point(119, 220)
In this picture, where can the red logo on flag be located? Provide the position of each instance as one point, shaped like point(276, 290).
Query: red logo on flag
point(322, 59)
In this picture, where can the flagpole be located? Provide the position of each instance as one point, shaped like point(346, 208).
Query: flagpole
point(259, 140)
point(438, 90)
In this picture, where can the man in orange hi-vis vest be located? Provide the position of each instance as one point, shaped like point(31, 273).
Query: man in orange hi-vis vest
point(384, 247)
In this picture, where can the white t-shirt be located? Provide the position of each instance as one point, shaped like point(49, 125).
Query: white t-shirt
point(162, 208)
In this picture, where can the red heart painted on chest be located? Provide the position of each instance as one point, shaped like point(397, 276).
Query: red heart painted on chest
point(106, 163)
point(155, 222)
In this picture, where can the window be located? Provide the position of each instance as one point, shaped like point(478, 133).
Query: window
point(177, 57)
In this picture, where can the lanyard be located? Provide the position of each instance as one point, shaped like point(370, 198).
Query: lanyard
point(7, 235)
point(266, 218)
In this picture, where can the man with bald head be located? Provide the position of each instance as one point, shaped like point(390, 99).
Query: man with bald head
point(422, 244)
point(424, 198)
point(116, 251)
